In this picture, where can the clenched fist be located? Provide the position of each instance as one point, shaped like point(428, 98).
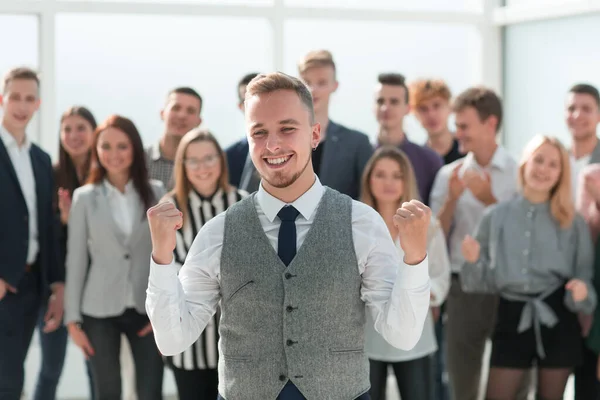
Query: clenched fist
point(164, 220)
point(578, 289)
point(470, 249)
point(412, 221)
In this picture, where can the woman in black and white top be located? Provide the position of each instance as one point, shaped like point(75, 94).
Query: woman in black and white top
point(201, 192)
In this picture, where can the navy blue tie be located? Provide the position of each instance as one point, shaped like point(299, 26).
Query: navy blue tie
point(286, 242)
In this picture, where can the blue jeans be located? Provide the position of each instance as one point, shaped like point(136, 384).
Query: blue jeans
point(54, 349)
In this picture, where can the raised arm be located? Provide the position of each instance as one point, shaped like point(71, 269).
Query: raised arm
point(447, 189)
point(181, 302)
point(396, 291)
point(476, 275)
point(439, 265)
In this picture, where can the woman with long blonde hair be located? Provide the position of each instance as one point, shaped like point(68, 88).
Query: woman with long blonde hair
point(536, 253)
point(388, 181)
point(201, 192)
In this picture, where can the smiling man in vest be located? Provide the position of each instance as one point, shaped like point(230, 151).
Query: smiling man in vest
point(295, 268)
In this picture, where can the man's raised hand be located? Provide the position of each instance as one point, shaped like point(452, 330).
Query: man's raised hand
point(164, 220)
point(412, 220)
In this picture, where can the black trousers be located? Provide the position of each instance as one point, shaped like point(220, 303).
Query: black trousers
point(586, 382)
point(18, 317)
point(415, 378)
point(104, 335)
point(196, 384)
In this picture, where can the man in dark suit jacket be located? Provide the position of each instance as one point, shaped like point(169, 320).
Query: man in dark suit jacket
point(341, 156)
point(239, 164)
point(29, 249)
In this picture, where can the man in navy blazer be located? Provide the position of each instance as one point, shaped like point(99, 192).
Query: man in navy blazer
point(29, 249)
point(239, 164)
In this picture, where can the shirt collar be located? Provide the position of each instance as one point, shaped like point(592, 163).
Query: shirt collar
point(9, 140)
point(113, 190)
point(305, 204)
point(499, 159)
point(154, 151)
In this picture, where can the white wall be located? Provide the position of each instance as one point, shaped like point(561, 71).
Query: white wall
point(362, 50)
point(542, 61)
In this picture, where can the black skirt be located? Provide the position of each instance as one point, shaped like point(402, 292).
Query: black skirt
point(562, 343)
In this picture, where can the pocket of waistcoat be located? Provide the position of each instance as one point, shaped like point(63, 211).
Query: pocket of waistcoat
point(237, 358)
point(236, 291)
point(346, 351)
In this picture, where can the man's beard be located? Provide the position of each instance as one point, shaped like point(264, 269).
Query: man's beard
point(279, 180)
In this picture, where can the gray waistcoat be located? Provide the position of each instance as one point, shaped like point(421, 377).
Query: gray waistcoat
point(304, 322)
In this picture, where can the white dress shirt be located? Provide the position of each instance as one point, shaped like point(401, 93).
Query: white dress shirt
point(396, 294)
point(378, 348)
point(577, 165)
point(469, 210)
point(21, 161)
point(125, 207)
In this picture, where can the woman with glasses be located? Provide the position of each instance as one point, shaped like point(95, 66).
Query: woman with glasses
point(201, 192)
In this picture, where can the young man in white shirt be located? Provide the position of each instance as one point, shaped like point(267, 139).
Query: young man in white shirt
point(30, 273)
point(461, 193)
point(293, 289)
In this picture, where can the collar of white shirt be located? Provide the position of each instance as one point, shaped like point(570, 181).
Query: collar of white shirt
point(305, 204)
point(500, 159)
point(9, 140)
point(113, 190)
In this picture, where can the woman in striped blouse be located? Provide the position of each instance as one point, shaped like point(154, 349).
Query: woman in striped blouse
point(201, 192)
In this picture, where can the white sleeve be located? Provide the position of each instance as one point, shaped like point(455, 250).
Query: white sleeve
point(396, 294)
point(181, 302)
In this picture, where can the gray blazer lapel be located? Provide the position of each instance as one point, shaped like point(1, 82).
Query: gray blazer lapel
point(106, 213)
point(329, 165)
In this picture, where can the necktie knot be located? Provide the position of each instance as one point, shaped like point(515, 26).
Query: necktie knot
point(288, 213)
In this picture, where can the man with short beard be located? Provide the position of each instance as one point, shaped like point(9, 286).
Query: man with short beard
point(294, 268)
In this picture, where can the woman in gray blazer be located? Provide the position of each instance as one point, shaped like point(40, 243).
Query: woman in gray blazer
point(105, 298)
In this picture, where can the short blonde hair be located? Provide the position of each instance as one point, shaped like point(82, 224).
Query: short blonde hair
point(316, 58)
point(411, 191)
point(276, 81)
point(561, 202)
point(422, 90)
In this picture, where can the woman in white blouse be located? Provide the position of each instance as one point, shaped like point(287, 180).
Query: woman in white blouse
point(201, 192)
point(105, 296)
point(388, 181)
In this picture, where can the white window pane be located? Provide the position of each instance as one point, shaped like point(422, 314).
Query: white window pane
point(542, 61)
point(129, 68)
point(20, 48)
point(544, 3)
point(219, 2)
point(362, 50)
point(429, 5)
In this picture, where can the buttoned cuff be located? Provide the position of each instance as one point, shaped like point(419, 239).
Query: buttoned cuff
point(413, 276)
point(164, 277)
